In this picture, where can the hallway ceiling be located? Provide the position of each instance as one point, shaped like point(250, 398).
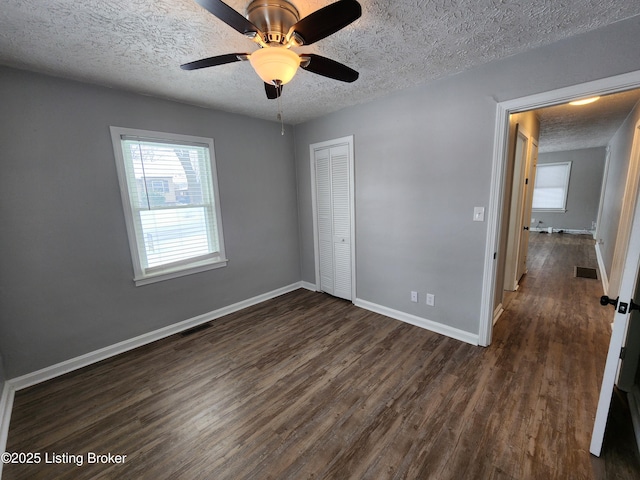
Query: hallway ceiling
point(569, 127)
point(139, 45)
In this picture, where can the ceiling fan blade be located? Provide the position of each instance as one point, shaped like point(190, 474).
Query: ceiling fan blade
point(229, 16)
point(329, 68)
point(273, 92)
point(326, 21)
point(213, 61)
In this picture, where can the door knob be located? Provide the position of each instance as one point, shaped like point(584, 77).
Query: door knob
point(605, 300)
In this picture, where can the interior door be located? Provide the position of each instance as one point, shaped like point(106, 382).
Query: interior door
point(629, 364)
point(619, 336)
point(530, 181)
point(516, 224)
point(333, 186)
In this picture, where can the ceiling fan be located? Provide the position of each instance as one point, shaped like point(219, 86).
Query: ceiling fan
point(275, 25)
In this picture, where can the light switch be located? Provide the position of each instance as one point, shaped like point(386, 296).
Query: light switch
point(478, 214)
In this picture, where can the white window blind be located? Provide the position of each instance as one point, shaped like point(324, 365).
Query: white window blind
point(551, 187)
point(169, 191)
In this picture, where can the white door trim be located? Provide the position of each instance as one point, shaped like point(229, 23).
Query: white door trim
point(598, 231)
point(603, 86)
point(316, 250)
point(626, 215)
point(603, 191)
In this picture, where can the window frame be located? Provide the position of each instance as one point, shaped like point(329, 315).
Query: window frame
point(145, 276)
point(565, 187)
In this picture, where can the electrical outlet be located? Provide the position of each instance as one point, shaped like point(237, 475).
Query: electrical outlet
point(431, 299)
point(414, 297)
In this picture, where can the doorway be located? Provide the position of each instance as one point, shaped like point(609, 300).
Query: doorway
point(504, 110)
point(631, 256)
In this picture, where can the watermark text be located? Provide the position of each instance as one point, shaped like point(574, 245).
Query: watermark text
point(78, 459)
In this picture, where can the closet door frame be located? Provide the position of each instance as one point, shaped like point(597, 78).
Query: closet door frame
point(349, 141)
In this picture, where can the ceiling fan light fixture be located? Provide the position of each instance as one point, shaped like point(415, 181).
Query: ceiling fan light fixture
point(584, 101)
point(275, 63)
point(275, 25)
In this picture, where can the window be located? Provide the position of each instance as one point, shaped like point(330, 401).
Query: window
point(552, 185)
point(170, 199)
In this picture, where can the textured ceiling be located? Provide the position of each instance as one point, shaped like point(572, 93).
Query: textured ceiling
point(569, 127)
point(138, 45)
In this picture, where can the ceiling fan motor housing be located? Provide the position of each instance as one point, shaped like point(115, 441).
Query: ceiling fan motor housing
point(273, 17)
point(275, 25)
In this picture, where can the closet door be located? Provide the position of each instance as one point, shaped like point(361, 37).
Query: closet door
point(333, 213)
point(325, 220)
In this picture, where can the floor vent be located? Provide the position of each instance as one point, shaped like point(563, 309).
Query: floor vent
point(584, 272)
point(197, 329)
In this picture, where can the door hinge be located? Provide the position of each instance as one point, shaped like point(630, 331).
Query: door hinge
point(623, 352)
point(526, 181)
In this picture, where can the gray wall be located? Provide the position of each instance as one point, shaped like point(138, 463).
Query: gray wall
point(583, 196)
point(423, 160)
point(65, 269)
point(620, 153)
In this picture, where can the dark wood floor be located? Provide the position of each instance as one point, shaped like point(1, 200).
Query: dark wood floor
point(309, 386)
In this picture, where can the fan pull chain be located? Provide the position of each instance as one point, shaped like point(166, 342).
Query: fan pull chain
point(279, 93)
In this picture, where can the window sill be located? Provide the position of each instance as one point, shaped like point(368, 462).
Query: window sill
point(552, 210)
point(168, 275)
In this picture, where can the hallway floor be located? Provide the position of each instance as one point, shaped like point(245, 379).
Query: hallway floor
point(555, 320)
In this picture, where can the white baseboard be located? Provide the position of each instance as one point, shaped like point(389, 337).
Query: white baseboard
point(564, 230)
point(309, 286)
point(497, 312)
point(603, 271)
point(67, 366)
point(436, 327)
